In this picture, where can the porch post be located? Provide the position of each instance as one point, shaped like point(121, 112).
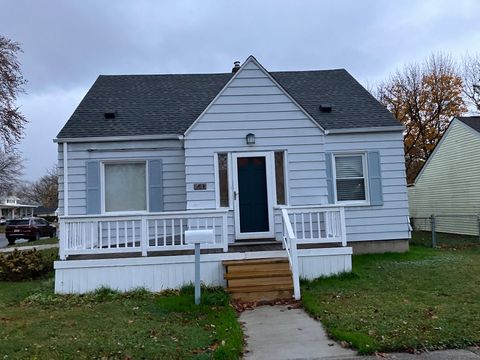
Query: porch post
point(144, 236)
point(65, 179)
point(225, 232)
point(343, 226)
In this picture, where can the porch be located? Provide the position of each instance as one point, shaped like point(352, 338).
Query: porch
point(149, 250)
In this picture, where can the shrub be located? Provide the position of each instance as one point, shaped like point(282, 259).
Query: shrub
point(26, 264)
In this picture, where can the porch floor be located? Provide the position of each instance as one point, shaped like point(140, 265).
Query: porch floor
point(240, 246)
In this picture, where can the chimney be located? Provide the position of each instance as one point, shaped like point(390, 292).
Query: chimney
point(236, 66)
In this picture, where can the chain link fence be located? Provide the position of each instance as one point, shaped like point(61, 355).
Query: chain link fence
point(446, 230)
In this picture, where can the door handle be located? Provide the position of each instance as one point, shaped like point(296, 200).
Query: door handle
point(235, 194)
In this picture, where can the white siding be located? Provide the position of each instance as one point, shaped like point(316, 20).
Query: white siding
point(170, 151)
point(253, 103)
point(388, 221)
point(158, 273)
point(449, 184)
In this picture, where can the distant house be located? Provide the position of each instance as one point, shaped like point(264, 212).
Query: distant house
point(11, 208)
point(45, 211)
point(264, 161)
point(449, 183)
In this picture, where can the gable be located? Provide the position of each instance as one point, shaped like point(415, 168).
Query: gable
point(455, 156)
point(252, 95)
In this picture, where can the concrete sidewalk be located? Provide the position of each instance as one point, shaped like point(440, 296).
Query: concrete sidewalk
point(38, 247)
point(274, 332)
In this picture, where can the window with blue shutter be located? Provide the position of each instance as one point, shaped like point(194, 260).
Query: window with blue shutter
point(329, 174)
point(350, 177)
point(375, 178)
point(155, 185)
point(93, 187)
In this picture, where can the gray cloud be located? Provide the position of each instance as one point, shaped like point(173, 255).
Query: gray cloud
point(68, 44)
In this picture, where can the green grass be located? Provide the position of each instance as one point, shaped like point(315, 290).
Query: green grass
point(2, 228)
point(35, 323)
point(423, 299)
point(44, 241)
point(424, 238)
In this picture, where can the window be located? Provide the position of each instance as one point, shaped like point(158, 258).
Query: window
point(280, 177)
point(223, 179)
point(350, 177)
point(125, 187)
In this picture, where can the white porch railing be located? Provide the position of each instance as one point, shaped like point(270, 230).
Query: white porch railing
point(310, 225)
point(100, 234)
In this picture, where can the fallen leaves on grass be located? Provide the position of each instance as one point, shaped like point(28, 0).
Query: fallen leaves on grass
point(241, 306)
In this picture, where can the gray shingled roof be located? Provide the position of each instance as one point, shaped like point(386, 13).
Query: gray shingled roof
point(169, 104)
point(472, 121)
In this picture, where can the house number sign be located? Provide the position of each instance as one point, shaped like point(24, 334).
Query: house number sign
point(201, 186)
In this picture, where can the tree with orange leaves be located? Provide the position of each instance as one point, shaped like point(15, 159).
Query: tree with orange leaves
point(423, 97)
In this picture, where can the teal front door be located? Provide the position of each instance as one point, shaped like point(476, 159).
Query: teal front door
point(253, 195)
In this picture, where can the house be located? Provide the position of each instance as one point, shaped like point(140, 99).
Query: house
point(448, 184)
point(11, 208)
point(43, 211)
point(298, 167)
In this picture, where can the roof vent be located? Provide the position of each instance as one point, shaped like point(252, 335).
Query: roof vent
point(236, 66)
point(325, 108)
point(109, 115)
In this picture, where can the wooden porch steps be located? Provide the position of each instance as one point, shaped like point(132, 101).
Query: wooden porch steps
point(259, 279)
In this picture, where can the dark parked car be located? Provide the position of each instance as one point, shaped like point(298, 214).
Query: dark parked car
point(29, 228)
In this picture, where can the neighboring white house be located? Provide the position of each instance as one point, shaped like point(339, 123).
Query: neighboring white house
point(448, 185)
point(11, 208)
point(268, 160)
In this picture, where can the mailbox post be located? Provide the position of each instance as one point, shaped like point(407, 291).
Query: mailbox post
point(198, 237)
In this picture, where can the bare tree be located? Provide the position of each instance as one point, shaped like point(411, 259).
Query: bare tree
point(12, 121)
point(471, 80)
point(44, 191)
point(10, 171)
point(423, 97)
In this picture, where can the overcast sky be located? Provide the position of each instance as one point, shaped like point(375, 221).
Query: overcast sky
point(67, 44)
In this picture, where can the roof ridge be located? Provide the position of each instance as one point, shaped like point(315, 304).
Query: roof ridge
point(222, 73)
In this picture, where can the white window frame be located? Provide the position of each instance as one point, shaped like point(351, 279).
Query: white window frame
point(217, 180)
point(365, 178)
point(102, 186)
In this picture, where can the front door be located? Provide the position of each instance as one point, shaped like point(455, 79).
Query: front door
point(253, 211)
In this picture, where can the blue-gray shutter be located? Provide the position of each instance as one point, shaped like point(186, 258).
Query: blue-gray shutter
point(375, 178)
point(155, 185)
point(329, 173)
point(93, 187)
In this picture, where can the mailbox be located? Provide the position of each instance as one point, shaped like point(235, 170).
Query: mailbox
point(198, 237)
point(206, 236)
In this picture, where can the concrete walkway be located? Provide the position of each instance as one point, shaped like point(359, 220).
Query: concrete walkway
point(274, 332)
point(38, 247)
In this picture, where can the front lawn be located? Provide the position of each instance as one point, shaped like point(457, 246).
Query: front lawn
point(34, 323)
point(43, 241)
point(423, 299)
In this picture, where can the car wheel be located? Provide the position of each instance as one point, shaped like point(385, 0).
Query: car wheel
point(36, 237)
point(10, 240)
point(53, 233)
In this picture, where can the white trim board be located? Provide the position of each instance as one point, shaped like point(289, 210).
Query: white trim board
point(119, 138)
